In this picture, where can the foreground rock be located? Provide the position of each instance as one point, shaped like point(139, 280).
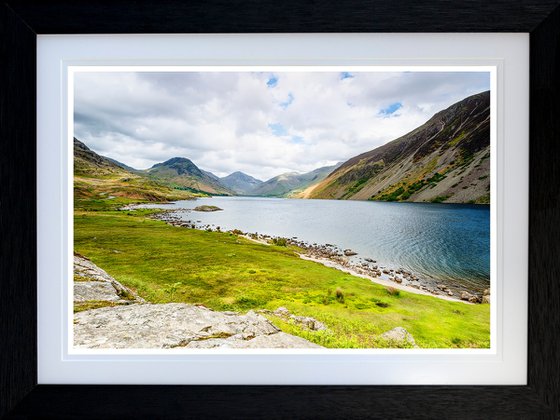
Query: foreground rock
point(92, 283)
point(174, 325)
point(305, 322)
point(399, 337)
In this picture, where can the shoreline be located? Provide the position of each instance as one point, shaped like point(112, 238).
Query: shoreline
point(378, 280)
point(334, 257)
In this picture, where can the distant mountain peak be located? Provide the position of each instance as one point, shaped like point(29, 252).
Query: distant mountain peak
point(288, 183)
point(174, 161)
point(240, 182)
point(183, 172)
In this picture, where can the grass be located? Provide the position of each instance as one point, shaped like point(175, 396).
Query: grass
point(112, 191)
point(91, 304)
point(226, 272)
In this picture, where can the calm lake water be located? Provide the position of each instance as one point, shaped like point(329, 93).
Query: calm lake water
point(443, 241)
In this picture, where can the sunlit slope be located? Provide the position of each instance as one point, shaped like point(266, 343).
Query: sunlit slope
point(445, 160)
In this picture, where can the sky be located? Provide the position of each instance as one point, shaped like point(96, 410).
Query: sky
point(260, 123)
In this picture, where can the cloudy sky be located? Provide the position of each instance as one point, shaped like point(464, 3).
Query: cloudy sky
point(260, 123)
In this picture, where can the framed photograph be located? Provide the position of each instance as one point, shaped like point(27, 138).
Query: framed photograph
point(355, 214)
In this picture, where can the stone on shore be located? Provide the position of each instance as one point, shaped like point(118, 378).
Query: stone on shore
point(174, 325)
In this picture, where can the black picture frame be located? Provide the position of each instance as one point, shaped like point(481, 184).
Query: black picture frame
point(21, 397)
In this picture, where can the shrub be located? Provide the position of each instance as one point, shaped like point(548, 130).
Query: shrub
point(456, 341)
point(280, 241)
point(339, 295)
point(245, 302)
point(393, 291)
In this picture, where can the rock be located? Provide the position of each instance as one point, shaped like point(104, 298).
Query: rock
point(207, 208)
point(486, 292)
point(282, 312)
point(95, 290)
point(349, 252)
point(306, 322)
point(85, 268)
point(399, 337)
point(279, 340)
point(177, 325)
point(95, 284)
point(486, 299)
point(465, 295)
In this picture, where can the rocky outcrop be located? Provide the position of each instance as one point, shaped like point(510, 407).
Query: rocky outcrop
point(175, 325)
point(128, 322)
point(305, 322)
point(399, 337)
point(91, 283)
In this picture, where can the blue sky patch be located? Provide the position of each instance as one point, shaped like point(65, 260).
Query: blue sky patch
point(391, 109)
point(296, 140)
point(288, 101)
point(346, 75)
point(278, 129)
point(272, 81)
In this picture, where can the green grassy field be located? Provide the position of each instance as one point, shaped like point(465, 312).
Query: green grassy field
point(225, 272)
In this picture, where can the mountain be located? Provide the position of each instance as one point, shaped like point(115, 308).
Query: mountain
point(291, 183)
point(180, 172)
point(122, 165)
point(240, 183)
point(89, 163)
point(444, 160)
point(99, 178)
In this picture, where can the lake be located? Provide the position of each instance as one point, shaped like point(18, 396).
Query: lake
point(448, 242)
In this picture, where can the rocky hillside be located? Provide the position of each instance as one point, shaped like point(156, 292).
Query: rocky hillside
point(444, 160)
point(100, 178)
point(291, 183)
point(240, 183)
point(183, 173)
point(94, 288)
point(90, 164)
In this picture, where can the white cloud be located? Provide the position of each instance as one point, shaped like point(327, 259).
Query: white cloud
point(222, 121)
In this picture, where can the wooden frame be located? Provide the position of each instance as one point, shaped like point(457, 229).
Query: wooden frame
point(21, 397)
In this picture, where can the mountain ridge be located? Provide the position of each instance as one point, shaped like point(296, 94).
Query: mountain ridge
point(291, 183)
point(180, 172)
point(240, 182)
point(445, 159)
point(100, 178)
